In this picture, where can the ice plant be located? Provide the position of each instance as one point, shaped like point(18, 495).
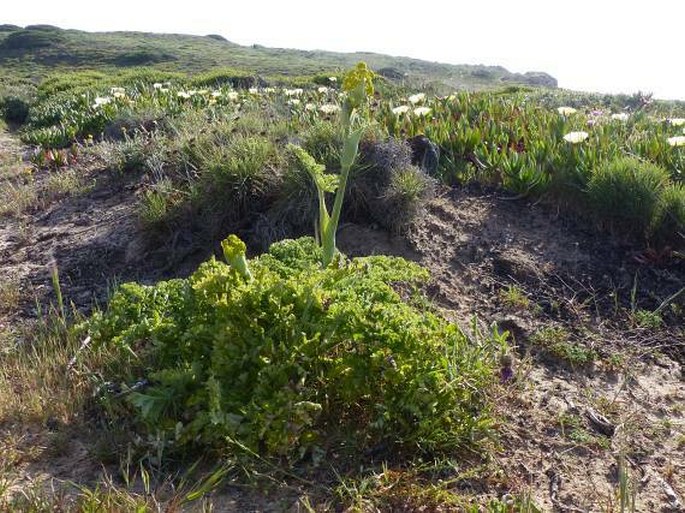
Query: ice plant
point(234, 253)
point(358, 86)
point(566, 111)
point(678, 140)
point(576, 137)
point(416, 98)
point(101, 100)
point(329, 108)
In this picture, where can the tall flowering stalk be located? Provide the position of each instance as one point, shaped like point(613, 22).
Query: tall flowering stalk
point(358, 84)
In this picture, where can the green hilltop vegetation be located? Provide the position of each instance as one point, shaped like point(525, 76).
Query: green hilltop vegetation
point(35, 50)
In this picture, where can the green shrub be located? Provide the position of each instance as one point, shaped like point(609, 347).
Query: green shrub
point(387, 188)
point(236, 177)
point(323, 141)
point(15, 110)
point(669, 226)
point(625, 194)
point(296, 359)
point(16, 98)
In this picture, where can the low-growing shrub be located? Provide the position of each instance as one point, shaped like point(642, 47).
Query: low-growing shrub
point(15, 110)
point(386, 187)
point(323, 141)
point(293, 359)
point(625, 194)
point(235, 178)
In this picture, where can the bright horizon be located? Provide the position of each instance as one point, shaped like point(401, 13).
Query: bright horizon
point(586, 45)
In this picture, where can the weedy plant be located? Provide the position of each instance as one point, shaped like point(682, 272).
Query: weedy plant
point(289, 358)
point(358, 84)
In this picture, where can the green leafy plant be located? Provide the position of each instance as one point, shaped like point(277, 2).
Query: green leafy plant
point(296, 360)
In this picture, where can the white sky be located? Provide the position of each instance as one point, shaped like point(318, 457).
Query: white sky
point(594, 45)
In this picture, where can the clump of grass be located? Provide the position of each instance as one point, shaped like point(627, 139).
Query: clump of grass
point(130, 121)
point(625, 194)
point(386, 187)
point(10, 295)
point(556, 341)
point(323, 141)
point(236, 179)
point(135, 153)
point(514, 297)
point(669, 224)
point(17, 196)
point(404, 199)
point(573, 428)
point(158, 204)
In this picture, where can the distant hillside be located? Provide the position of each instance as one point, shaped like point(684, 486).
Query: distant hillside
point(37, 49)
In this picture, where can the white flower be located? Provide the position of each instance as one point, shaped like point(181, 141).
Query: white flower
point(576, 137)
point(329, 108)
point(294, 101)
point(402, 109)
point(253, 90)
point(677, 121)
point(323, 89)
point(216, 94)
point(183, 94)
point(268, 90)
point(118, 94)
point(416, 98)
point(115, 90)
point(163, 89)
point(566, 111)
point(101, 100)
point(293, 92)
point(621, 116)
point(192, 92)
point(422, 111)
point(310, 107)
point(202, 91)
point(157, 85)
point(678, 140)
point(332, 79)
point(232, 95)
